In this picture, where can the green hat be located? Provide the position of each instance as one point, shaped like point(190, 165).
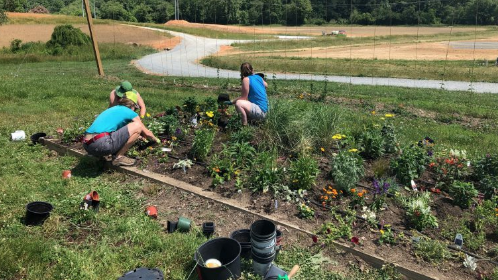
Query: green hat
point(123, 88)
point(132, 96)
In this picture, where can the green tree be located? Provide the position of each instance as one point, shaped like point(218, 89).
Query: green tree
point(115, 10)
point(298, 11)
point(15, 5)
point(143, 13)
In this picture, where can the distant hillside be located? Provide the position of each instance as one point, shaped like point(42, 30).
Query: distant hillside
point(285, 12)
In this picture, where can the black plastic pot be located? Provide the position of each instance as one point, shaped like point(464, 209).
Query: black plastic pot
point(222, 97)
point(225, 250)
point(35, 137)
point(208, 228)
point(171, 226)
point(243, 236)
point(143, 273)
point(37, 212)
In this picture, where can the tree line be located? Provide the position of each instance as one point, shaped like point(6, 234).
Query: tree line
point(285, 12)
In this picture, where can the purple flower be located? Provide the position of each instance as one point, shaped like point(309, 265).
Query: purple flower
point(386, 187)
point(429, 153)
point(178, 131)
point(376, 186)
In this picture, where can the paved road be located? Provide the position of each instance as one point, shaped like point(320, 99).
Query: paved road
point(183, 61)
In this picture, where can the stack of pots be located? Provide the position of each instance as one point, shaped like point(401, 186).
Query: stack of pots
point(263, 242)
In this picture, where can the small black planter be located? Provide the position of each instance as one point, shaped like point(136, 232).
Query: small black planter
point(143, 274)
point(37, 212)
point(172, 226)
point(208, 228)
point(35, 137)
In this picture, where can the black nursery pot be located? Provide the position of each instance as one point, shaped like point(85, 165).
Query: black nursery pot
point(37, 212)
point(35, 137)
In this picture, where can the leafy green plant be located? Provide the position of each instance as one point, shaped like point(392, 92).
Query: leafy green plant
point(410, 164)
point(371, 142)
point(488, 185)
point(418, 212)
point(265, 172)
point(432, 251)
point(203, 142)
point(387, 236)
point(190, 105)
point(391, 144)
point(462, 193)
point(244, 134)
point(305, 211)
point(347, 170)
point(341, 227)
point(486, 166)
point(303, 173)
point(241, 153)
point(170, 124)
point(156, 126)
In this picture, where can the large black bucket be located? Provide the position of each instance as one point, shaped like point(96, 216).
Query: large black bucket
point(225, 250)
point(37, 212)
point(244, 238)
point(263, 237)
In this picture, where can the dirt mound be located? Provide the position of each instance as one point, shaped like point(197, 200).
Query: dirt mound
point(177, 22)
point(39, 10)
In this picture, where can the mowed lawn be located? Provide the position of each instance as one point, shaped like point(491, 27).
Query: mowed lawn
point(74, 244)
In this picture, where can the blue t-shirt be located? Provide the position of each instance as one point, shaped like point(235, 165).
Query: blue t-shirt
point(112, 119)
point(257, 92)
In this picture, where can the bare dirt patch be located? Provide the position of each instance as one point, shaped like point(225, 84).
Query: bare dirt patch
point(103, 32)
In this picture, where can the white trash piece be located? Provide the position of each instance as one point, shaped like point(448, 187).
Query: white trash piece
point(18, 135)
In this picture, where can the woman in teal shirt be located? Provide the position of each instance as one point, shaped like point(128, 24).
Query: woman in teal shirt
point(115, 130)
point(253, 101)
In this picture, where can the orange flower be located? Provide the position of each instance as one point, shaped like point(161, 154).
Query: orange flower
point(353, 190)
point(432, 164)
point(360, 194)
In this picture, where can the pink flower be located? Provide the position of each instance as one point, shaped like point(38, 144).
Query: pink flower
point(355, 240)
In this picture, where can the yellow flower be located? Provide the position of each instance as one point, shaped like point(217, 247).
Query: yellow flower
point(382, 232)
point(210, 114)
point(389, 115)
point(237, 172)
point(173, 138)
point(373, 112)
point(337, 137)
point(322, 149)
point(353, 150)
point(382, 118)
point(148, 115)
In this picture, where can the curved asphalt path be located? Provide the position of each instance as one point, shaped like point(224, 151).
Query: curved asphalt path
point(183, 61)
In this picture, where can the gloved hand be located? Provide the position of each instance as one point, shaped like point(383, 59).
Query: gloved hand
point(228, 102)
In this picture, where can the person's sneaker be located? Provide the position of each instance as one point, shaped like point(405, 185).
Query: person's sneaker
point(123, 161)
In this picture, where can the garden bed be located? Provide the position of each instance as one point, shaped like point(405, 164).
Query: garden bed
point(370, 204)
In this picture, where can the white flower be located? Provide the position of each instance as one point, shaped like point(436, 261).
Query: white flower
point(470, 262)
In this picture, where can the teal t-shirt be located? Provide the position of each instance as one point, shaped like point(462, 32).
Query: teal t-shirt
point(112, 119)
point(257, 92)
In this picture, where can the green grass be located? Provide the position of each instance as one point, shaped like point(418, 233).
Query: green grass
point(46, 95)
point(464, 70)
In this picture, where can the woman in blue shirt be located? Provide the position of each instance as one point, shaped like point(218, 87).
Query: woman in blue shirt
point(115, 130)
point(253, 101)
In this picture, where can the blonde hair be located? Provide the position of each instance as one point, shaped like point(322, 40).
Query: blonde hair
point(245, 70)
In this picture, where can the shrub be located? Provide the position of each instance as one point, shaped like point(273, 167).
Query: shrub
point(432, 251)
point(170, 124)
point(347, 170)
point(265, 173)
point(3, 17)
point(190, 105)
point(410, 164)
point(419, 213)
point(66, 35)
point(203, 142)
point(462, 193)
point(303, 173)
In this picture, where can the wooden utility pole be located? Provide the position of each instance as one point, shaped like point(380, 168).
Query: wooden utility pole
point(94, 41)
